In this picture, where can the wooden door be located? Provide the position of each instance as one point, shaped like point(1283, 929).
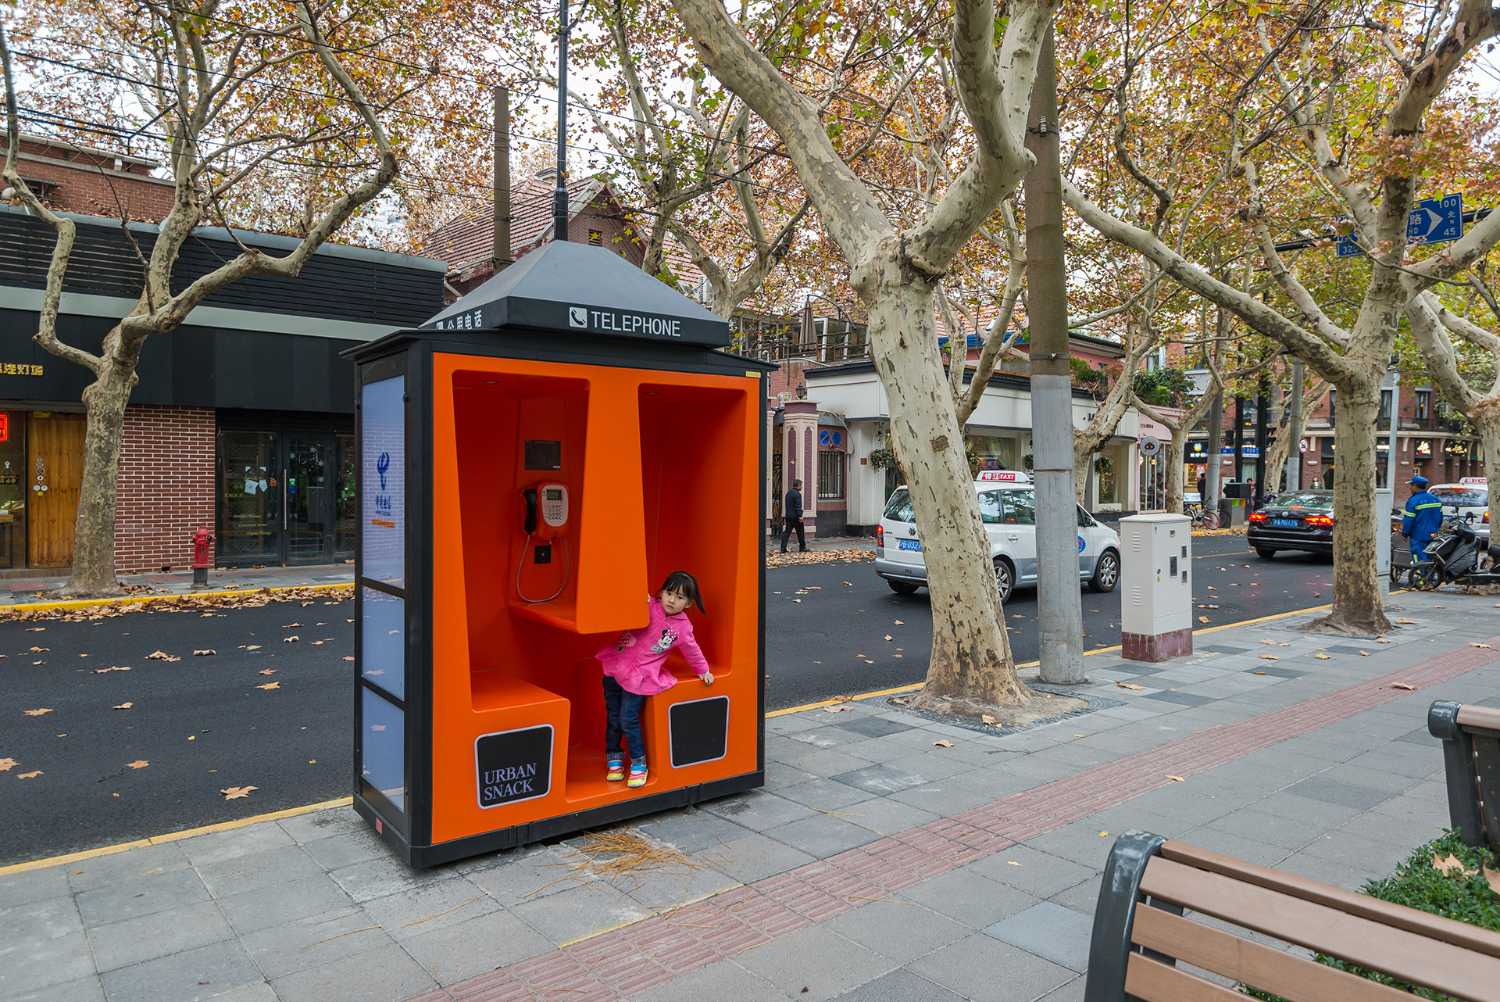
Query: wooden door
point(54, 467)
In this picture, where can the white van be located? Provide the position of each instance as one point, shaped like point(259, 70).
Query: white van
point(1007, 505)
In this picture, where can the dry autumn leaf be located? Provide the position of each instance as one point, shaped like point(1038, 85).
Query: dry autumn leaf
point(889, 637)
point(161, 656)
point(1492, 877)
point(40, 711)
point(40, 650)
point(1321, 656)
point(290, 640)
point(1481, 646)
point(1404, 686)
point(269, 686)
point(1364, 654)
point(252, 647)
point(122, 706)
point(7, 764)
point(1406, 622)
point(1204, 619)
point(1129, 685)
point(1176, 779)
point(990, 720)
point(205, 652)
point(1269, 657)
point(942, 743)
point(899, 622)
point(266, 671)
point(106, 671)
point(139, 763)
point(238, 792)
point(29, 775)
point(1451, 866)
point(348, 657)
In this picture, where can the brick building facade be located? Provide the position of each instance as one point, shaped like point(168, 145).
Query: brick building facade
point(166, 487)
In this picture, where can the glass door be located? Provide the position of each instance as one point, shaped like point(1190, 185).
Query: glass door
point(309, 497)
point(250, 498)
point(346, 515)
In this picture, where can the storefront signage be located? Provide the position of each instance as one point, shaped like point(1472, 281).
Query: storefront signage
point(512, 766)
point(4, 427)
point(19, 369)
point(830, 438)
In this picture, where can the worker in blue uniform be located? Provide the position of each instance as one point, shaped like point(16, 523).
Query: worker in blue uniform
point(1422, 516)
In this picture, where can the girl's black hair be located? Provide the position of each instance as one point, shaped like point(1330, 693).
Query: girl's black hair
point(684, 584)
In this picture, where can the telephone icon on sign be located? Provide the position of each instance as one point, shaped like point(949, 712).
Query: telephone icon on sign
point(578, 316)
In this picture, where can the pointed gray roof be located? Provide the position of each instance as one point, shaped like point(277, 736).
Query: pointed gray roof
point(573, 288)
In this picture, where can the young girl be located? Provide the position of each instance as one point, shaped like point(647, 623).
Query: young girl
point(635, 667)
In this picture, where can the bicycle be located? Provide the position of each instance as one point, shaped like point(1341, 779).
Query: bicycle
point(1202, 518)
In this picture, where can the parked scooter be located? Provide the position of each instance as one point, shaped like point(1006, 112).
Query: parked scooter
point(1457, 555)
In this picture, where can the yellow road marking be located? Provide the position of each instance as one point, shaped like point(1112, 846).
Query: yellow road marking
point(84, 603)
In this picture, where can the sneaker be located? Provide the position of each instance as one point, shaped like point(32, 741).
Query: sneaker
point(637, 775)
point(616, 766)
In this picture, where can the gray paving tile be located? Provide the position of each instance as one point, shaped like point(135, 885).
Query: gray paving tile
point(827, 761)
point(1335, 792)
point(42, 944)
point(1050, 931)
point(884, 816)
point(968, 897)
point(34, 885)
point(123, 867)
point(829, 736)
point(663, 887)
point(814, 963)
point(983, 969)
point(825, 794)
point(1275, 672)
point(579, 911)
point(900, 986)
point(898, 928)
point(475, 946)
point(1181, 698)
point(946, 798)
point(307, 828)
point(1070, 992)
point(282, 903)
point(822, 836)
point(1033, 871)
point(375, 878)
point(432, 906)
point(314, 942)
point(882, 780)
point(338, 851)
point(132, 899)
point(220, 846)
point(83, 990)
point(1081, 897)
point(375, 976)
point(724, 979)
point(874, 727)
point(692, 830)
point(120, 944)
point(1224, 649)
point(753, 858)
point(190, 976)
point(1272, 829)
point(253, 870)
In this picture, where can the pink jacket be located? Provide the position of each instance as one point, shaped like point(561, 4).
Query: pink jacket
point(638, 659)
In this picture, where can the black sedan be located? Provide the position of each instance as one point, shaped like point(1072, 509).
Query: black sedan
point(1301, 520)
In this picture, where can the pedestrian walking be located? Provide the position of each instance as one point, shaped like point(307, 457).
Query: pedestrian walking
point(791, 510)
point(635, 667)
point(1203, 488)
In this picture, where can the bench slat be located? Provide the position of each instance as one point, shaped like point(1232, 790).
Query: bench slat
point(1433, 926)
point(1152, 981)
point(1400, 953)
point(1483, 718)
point(1271, 970)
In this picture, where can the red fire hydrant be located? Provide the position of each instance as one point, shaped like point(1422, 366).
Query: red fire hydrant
point(203, 541)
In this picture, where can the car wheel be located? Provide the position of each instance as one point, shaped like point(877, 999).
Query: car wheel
point(1265, 552)
point(1106, 572)
point(902, 587)
point(1005, 579)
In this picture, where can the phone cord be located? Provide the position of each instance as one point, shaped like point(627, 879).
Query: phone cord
point(521, 566)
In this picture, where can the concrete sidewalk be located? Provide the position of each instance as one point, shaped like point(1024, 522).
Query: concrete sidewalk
point(42, 588)
point(874, 865)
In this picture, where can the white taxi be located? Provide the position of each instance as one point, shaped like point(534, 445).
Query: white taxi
point(1007, 506)
point(1469, 500)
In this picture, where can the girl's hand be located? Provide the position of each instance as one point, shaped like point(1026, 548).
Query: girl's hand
point(708, 678)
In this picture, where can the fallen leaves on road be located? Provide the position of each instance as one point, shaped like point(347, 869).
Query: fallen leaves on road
point(1104, 834)
point(40, 650)
point(1321, 656)
point(1130, 685)
point(139, 763)
point(123, 706)
point(1269, 657)
point(243, 599)
point(251, 647)
point(846, 556)
point(266, 671)
point(1406, 622)
point(348, 657)
point(269, 686)
point(889, 637)
point(36, 629)
point(1207, 605)
point(1403, 686)
point(900, 622)
point(1364, 654)
point(942, 743)
point(162, 656)
point(836, 709)
point(294, 638)
point(1481, 646)
point(206, 652)
point(1204, 619)
point(990, 720)
point(40, 711)
point(7, 764)
point(1176, 779)
point(29, 775)
point(238, 792)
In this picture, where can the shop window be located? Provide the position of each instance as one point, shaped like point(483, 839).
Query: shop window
point(1424, 404)
point(1108, 481)
point(830, 476)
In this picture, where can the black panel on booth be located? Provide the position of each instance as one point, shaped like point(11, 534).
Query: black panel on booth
point(698, 731)
point(511, 766)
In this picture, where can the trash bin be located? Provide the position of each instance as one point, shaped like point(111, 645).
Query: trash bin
point(1231, 512)
point(533, 462)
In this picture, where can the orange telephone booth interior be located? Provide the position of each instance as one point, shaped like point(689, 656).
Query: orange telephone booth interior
point(533, 463)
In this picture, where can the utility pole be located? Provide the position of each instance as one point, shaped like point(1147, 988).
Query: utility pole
point(1262, 405)
point(1390, 459)
point(1239, 439)
point(560, 193)
point(500, 253)
point(1213, 475)
point(1060, 609)
point(1294, 453)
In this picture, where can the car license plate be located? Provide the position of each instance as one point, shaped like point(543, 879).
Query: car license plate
point(911, 544)
point(1286, 523)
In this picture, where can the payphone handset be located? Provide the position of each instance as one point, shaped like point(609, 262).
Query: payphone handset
point(554, 510)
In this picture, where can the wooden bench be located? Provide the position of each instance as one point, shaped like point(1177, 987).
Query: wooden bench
point(1145, 946)
point(1471, 757)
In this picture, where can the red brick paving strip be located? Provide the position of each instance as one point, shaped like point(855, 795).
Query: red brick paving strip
point(651, 952)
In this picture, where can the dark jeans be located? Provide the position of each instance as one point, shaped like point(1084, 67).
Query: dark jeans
point(622, 714)
point(789, 524)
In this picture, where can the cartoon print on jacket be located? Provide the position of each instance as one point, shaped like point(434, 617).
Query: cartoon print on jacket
point(665, 641)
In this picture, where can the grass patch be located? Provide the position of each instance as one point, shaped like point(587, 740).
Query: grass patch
point(1461, 894)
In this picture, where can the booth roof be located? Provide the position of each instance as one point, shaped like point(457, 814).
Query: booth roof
point(573, 288)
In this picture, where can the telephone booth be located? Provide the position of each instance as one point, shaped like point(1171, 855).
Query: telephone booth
point(534, 462)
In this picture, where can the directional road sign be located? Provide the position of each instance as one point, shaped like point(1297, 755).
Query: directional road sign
point(1431, 221)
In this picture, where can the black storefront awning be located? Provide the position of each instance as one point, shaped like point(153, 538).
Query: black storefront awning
point(578, 288)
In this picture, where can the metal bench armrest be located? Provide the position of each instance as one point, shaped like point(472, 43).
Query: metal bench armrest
point(1114, 915)
point(1458, 768)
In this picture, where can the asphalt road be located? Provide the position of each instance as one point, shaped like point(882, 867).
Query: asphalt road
point(203, 724)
